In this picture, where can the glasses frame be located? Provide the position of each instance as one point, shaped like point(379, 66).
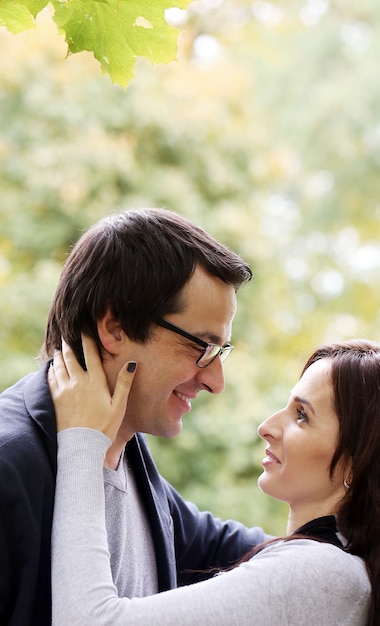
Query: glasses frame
point(223, 351)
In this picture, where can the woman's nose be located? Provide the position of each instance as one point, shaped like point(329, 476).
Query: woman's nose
point(270, 427)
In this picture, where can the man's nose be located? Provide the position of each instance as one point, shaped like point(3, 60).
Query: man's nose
point(212, 376)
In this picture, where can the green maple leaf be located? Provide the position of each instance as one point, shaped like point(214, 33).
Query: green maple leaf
point(119, 31)
point(18, 16)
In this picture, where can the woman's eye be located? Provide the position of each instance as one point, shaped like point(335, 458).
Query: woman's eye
point(302, 416)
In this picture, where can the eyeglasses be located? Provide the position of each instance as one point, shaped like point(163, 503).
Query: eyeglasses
point(210, 350)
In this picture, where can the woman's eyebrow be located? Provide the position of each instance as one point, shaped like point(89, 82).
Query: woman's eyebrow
point(304, 401)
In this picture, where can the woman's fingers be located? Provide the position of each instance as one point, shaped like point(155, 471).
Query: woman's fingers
point(82, 398)
point(66, 365)
point(58, 370)
point(92, 357)
point(121, 394)
point(52, 380)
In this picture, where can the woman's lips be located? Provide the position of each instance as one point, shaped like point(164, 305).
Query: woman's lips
point(270, 458)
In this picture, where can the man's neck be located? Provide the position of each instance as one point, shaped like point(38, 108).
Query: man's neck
point(113, 454)
point(115, 451)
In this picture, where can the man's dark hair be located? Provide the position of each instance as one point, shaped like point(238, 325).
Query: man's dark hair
point(135, 263)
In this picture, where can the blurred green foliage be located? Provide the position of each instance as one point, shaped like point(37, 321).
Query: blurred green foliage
point(267, 133)
point(117, 32)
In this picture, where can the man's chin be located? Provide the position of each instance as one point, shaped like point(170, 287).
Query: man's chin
point(175, 429)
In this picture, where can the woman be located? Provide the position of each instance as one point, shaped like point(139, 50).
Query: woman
point(322, 457)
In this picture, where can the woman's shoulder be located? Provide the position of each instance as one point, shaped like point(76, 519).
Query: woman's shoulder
point(318, 582)
point(308, 558)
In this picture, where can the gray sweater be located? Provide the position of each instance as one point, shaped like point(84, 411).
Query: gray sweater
point(299, 583)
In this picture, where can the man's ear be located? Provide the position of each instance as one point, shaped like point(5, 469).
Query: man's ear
point(110, 333)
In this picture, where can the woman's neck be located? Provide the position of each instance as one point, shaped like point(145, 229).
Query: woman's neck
point(298, 518)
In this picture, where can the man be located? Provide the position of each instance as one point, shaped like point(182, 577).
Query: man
point(151, 286)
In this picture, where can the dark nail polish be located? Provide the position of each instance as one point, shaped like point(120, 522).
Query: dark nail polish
point(131, 367)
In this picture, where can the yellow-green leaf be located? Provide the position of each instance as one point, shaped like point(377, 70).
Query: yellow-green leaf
point(118, 32)
point(18, 16)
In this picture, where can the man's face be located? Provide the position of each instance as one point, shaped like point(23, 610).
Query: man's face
point(167, 377)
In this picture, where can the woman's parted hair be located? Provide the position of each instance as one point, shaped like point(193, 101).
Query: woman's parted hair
point(135, 263)
point(355, 378)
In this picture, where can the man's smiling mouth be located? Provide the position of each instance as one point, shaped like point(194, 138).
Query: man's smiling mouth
point(184, 398)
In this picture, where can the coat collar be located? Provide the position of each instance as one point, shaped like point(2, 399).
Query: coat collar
point(39, 405)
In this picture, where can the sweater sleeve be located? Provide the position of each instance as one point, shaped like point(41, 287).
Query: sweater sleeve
point(299, 581)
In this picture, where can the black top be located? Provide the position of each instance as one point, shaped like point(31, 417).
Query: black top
point(322, 528)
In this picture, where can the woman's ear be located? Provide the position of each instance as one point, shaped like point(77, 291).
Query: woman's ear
point(348, 474)
point(110, 333)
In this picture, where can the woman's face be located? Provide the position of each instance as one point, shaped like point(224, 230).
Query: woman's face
point(301, 440)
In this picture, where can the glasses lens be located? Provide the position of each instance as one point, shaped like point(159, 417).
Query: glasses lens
point(211, 352)
point(226, 351)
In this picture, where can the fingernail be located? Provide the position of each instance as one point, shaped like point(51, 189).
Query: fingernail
point(131, 367)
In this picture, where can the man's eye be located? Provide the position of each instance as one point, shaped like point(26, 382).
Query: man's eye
point(197, 348)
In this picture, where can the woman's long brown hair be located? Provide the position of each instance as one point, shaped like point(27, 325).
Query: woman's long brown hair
point(355, 378)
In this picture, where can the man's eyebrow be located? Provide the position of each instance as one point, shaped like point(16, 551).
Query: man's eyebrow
point(304, 401)
point(211, 338)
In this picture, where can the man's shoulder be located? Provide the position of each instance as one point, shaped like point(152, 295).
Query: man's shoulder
point(15, 392)
point(26, 411)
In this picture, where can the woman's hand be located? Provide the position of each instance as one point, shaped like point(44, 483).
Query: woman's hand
point(83, 398)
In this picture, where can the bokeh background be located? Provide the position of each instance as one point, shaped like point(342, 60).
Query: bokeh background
point(266, 133)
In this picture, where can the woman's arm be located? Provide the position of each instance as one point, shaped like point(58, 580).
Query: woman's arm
point(83, 590)
point(283, 581)
point(300, 580)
